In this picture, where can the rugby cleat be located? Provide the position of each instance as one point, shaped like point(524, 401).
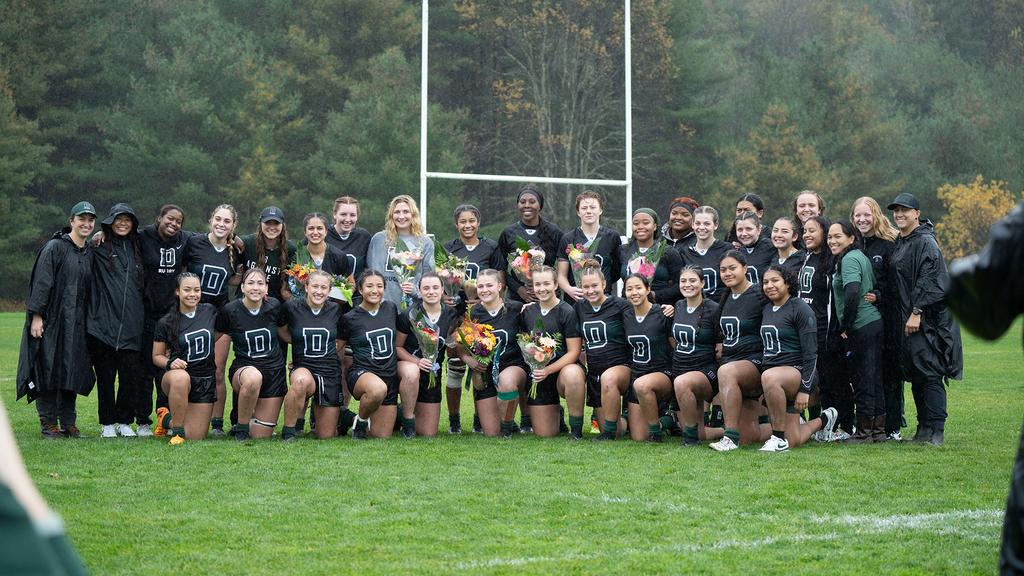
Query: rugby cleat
point(775, 444)
point(159, 431)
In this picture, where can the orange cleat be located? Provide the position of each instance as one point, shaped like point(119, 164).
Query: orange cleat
point(159, 431)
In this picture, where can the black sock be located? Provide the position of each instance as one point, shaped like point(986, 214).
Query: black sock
point(576, 424)
point(453, 419)
point(780, 434)
point(690, 433)
point(217, 423)
point(288, 432)
point(824, 420)
point(525, 421)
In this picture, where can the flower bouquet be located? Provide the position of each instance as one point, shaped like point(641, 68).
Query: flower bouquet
point(578, 255)
point(299, 271)
point(427, 338)
point(452, 271)
point(403, 263)
point(647, 264)
point(481, 343)
point(525, 260)
point(342, 289)
point(538, 349)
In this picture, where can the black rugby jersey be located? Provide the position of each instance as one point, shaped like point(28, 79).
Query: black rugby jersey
point(446, 323)
point(253, 336)
point(790, 338)
point(708, 262)
point(273, 266)
point(505, 323)
point(194, 340)
point(483, 256)
point(213, 266)
point(372, 338)
point(649, 340)
point(759, 257)
point(545, 235)
point(353, 246)
point(604, 338)
point(696, 333)
point(740, 323)
point(604, 249)
point(334, 262)
point(162, 261)
point(794, 262)
point(561, 318)
point(314, 335)
point(665, 283)
point(816, 289)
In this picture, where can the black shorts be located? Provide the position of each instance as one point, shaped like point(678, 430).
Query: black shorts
point(427, 394)
point(274, 383)
point(546, 391)
point(594, 385)
point(755, 359)
point(633, 377)
point(326, 387)
point(203, 390)
point(390, 398)
point(710, 371)
point(488, 391)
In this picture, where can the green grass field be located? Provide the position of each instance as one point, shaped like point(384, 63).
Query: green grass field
point(476, 505)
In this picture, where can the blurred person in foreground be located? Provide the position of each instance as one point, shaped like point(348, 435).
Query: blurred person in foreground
point(986, 293)
point(32, 538)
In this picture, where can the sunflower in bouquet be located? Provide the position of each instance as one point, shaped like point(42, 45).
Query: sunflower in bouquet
point(479, 340)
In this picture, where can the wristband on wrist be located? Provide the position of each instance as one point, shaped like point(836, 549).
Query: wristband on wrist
point(169, 361)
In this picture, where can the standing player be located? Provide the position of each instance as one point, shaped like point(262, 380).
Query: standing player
point(807, 205)
point(183, 350)
point(401, 227)
point(270, 249)
point(601, 243)
point(785, 237)
point(563, 376)
point(758, 250)
point(748, 203)
point(257, 373)
point(678, 231)
point(212, 257)
point(346, 236)
point(645, 242)
point(481, 254)
point(707, 252)
point(370, 328)
point(312, 326)
point(53, 365)
point(789, 337)
point(536, 231)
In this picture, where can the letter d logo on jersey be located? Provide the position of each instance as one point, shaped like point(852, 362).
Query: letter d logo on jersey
point(168, 258)
point(380, 341)
point(806, 279)
point(595, 332)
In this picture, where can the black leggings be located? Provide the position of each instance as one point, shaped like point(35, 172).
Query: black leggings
point(865, 361)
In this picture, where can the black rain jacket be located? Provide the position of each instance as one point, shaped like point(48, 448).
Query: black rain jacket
point(59, 292)
point(918, 278)
point(116, 314)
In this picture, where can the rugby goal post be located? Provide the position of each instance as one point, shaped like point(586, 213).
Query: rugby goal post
point(425, 174)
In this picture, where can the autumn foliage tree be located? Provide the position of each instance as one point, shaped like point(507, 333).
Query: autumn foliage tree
point(972, 209)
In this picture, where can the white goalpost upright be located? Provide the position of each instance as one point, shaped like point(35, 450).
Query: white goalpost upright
point(425, 173)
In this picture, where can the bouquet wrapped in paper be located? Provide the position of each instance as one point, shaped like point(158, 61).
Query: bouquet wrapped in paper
point(427, 338)
point(403, 262)
point(578, 255)
point(299, 271)
point(342, 289)
point(647, 264)
point(538, 348)
point(525, 260)
point(481, 343)
point(452, 271)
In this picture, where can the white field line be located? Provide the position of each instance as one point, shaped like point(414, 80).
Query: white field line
point(938, 523)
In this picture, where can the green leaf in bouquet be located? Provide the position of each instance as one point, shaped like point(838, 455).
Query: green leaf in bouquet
point(522, 244)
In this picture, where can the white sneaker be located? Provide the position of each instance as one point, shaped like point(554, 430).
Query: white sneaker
point(840, 435)
point(724, 445)
point(144, 431)
point(125, 430)
point(108, 431)
point(775, 444)
point(896, 436)
point(833, 418)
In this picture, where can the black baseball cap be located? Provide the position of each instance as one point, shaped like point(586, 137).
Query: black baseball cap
point(906, 200)
point(82, 208)
point(272, 213)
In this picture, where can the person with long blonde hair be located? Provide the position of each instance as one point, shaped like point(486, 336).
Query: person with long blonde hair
point(403, 232)
point(879, 243)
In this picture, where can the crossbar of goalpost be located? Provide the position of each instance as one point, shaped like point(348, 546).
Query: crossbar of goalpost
point(425, 174)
